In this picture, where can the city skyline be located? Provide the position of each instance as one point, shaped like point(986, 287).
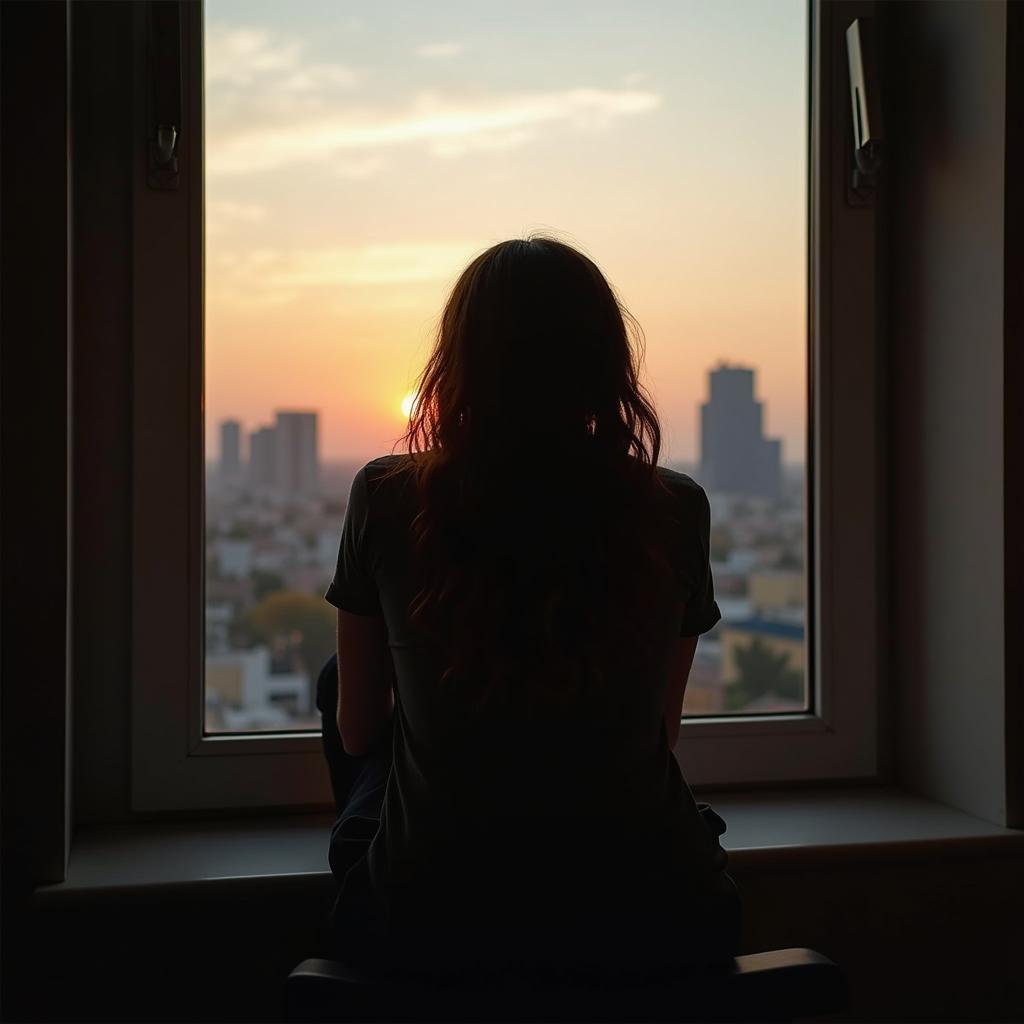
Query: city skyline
point(274, 521)
point(231, 461)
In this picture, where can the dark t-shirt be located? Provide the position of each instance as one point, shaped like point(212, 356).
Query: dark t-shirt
point(494, 819)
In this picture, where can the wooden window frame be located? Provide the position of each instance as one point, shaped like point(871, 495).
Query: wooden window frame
point(175, 767)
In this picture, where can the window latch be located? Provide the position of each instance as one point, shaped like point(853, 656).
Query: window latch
point(164, 122)
point(867, 112)
point(166, 137)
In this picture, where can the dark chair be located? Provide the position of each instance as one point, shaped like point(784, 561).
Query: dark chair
point(780, 985)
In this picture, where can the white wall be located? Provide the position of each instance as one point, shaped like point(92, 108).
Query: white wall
point(946, 91)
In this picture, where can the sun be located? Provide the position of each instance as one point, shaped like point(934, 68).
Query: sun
point(408, 403)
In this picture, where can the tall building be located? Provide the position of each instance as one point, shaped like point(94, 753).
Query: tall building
point(263, 458)
point(298, 457)
point(735, 456)
point(285, 458)
point(230, 449)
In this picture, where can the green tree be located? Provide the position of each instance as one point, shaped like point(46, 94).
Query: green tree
point(265, 583)
point(288, 619)
point(762, 671)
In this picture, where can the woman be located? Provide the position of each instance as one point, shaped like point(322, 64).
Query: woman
point(519, 599)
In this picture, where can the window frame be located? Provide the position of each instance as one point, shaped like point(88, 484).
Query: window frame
point(176, 768)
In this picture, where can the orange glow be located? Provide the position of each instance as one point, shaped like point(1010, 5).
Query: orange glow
point(354, 167)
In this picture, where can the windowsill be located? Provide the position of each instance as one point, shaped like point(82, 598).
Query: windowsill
point(773, 830)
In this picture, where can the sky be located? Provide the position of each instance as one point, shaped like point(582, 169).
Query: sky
point(358, 156)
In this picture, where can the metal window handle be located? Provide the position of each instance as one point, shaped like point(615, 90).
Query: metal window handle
point(865, 107)
point(164, 66)
point(166, 137)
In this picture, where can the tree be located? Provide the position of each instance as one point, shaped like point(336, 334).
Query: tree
point(264, 583)
point(288, 620)
point(762, 671)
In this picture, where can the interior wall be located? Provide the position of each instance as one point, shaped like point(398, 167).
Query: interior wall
point(1013, 410)
point(101, 124)
point(35, 399)
point(946, 127)
point(932, 939)
point(935, 939)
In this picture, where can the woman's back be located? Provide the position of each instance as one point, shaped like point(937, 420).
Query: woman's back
point(530, 569)
point(520, 810)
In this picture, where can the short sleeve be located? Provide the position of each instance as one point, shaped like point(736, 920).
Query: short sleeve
point(353, 588)
point(701, 612)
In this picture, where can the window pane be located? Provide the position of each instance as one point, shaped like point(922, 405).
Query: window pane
point(356, 159)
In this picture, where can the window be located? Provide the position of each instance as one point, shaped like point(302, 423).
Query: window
point(353, 164)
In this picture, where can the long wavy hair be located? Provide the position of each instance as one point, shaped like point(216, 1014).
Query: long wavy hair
point(542, 531)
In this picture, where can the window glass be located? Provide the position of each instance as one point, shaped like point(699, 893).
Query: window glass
point(358, 157)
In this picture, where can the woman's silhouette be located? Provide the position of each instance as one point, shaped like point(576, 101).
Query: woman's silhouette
point(519, 599)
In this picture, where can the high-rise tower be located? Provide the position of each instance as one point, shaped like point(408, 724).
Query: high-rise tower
point(230, 450)
point(297, 463)
point(263, 458)
point(735, 456)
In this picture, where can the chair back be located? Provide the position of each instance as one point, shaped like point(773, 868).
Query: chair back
point(780, 985)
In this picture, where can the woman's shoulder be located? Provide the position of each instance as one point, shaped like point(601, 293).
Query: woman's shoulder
point(688, 502)
point(385, 466)
point(387, 479)
point(683, 487)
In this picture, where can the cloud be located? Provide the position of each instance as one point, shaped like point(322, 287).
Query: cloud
point(484, 142)
point(222, 214)
point(237, 56)
point(360, 167)
point(269, 106)
point(268, 276)
point(224, 209)
point(439, 51)
point(240, 60)
point(449, 126)
point(384, 263)
point(313, 77)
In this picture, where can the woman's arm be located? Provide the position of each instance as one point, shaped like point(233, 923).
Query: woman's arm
point(678, 673)
point(366, 675)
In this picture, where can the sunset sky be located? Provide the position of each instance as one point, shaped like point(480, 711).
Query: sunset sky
point(357, 156)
